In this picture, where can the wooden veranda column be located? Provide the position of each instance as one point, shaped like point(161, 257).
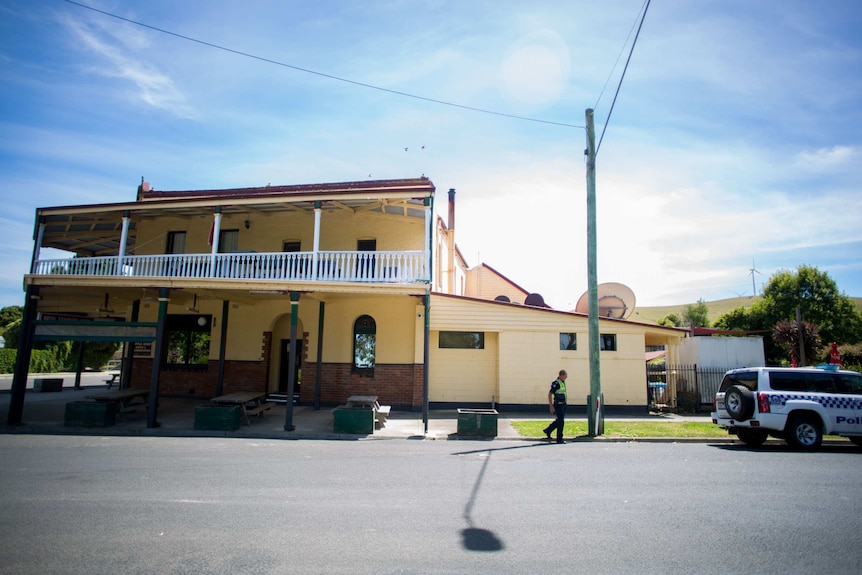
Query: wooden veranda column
point(291, 372)
point(225, 308)
point(158, 353)
point(317, 374)
point(22, 360)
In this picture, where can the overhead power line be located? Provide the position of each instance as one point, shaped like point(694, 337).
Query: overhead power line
point(623, 75)
point(322, 74)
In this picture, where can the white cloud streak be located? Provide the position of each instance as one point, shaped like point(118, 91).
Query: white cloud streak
point(116, 58)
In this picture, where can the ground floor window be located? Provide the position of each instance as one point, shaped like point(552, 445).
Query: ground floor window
point(364, 344)
point(608, 342)
point(568, 341)
point(187, 340)
point(461, 340)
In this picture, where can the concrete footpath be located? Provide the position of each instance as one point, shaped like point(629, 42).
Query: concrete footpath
point(44, 413)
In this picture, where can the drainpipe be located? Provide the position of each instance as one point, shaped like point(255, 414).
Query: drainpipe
point(451, 242)
point(426, 346)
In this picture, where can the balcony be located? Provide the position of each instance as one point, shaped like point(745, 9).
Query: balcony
point(408, 267)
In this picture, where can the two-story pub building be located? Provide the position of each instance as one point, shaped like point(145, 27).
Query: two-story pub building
point(313, 291)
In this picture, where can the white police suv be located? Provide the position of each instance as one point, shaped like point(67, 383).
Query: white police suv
point(799, 405)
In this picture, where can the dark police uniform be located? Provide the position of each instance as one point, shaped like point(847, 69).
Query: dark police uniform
point(558, 390)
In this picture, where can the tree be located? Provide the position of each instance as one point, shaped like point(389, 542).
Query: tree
point(696, 315)
point(786, 332)
point(671, 320)
point(12, 333)
point(815, 294)
point(10, 314)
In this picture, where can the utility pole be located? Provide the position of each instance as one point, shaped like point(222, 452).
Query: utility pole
point(595, 409)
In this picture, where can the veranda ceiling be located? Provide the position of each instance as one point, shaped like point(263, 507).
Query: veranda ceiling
point(95, 229)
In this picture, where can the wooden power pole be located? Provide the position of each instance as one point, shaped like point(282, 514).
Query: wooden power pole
point(595, 409)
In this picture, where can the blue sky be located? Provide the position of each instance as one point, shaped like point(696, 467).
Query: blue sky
point(736, 137)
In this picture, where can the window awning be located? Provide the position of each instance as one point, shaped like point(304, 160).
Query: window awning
point(651, 355)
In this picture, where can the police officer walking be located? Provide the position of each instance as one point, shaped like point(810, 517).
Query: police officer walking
point(557, 404)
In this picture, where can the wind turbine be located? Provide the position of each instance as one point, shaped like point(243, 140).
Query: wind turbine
point(751, 272)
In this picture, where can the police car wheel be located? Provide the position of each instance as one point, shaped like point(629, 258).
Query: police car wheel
point(752, 437)
point(804, 432)
point(856, 440)
point(739, 402)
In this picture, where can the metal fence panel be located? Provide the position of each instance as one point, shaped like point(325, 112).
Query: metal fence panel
point(684, 387)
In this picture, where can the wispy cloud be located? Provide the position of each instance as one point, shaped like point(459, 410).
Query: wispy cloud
point(835, 158)
point(115, 58)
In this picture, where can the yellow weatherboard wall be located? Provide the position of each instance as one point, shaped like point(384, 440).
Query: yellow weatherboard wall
point(522, 355)
point(483, 283)
point(468, 375)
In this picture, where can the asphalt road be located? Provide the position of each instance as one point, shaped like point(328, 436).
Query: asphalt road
point(73, 504)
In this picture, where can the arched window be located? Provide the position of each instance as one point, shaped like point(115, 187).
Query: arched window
point(364, 344)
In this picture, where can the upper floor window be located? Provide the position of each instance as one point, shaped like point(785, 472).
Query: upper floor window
point(568, 341)
point(461, 340)
point(228, 241)
point(608, 342)
point(176, 243)
point(365, 264)
point(291, 246)
point(364, 344)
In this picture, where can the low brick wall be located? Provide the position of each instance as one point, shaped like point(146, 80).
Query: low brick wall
point(398, 385)
point(238, 376)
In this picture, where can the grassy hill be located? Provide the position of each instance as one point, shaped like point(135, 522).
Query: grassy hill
point(716, 308)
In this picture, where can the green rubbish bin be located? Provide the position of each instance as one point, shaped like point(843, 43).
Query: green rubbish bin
point(90, 414)
point(356, 420)
point(477, 422)
point(211, 417)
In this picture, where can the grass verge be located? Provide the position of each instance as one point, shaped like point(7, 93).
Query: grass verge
point(682, 429)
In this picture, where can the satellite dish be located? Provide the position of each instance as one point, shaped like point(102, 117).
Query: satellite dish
point(504, 298)
point(535, 300)
point(615, 300)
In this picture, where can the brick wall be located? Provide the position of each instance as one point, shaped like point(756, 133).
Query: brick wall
point(398, 385)
point(238, 376)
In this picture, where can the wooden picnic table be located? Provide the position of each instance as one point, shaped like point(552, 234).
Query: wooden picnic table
point(363, 401)
point(115, 378)
point(381, 412)
point(250, 402)
point(124, 398)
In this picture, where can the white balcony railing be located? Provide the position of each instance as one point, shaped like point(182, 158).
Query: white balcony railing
point(370, 267)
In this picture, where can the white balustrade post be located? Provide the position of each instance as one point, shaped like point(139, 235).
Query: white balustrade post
point(316, 247)
point(124, 238)
point(216, 231)
point(426, 267)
